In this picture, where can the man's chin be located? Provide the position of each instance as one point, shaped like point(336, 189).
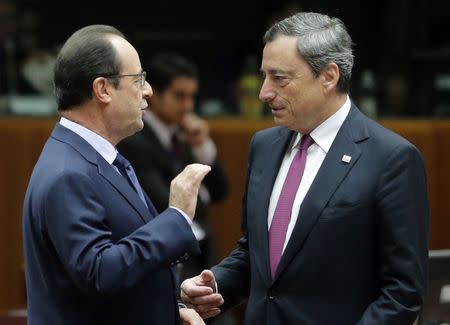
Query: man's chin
point(138, 126)
point(279, 121)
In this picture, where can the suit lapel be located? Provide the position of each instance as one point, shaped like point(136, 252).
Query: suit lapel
point(327, 180)
point(150, 204)
point(271, 162)
point(104, 168)
point(121, 185)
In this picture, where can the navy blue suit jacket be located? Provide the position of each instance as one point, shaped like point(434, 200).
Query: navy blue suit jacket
point(94, 253)
point(358, 252)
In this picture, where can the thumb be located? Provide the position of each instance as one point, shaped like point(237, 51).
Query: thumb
point(200, 171)
point(207, 277)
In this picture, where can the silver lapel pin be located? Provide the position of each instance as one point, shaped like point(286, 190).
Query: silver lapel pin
point(346, 159)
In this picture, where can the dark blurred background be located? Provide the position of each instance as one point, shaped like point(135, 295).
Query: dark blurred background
point(402, 47)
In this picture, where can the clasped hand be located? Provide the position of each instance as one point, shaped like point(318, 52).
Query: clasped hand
point(199, 293)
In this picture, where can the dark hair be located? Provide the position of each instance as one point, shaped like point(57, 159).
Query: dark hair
point(86, 55)
point(321, 40)
point(165, 67)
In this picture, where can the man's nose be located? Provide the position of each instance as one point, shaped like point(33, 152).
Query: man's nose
point(147, 91)
point(266, 93)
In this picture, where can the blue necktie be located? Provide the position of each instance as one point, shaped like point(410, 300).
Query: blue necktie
point(127, 171)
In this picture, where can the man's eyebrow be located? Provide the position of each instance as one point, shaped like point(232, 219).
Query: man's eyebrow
point(274, 71)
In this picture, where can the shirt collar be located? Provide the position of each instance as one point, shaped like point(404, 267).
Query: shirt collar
point(101, 145)
point(324, 134)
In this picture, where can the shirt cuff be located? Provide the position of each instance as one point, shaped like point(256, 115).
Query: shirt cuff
point(189, 221)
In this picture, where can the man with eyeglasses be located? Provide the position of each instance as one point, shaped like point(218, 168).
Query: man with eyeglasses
point(96, 251)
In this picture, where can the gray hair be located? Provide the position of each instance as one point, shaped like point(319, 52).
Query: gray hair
point(321, 40)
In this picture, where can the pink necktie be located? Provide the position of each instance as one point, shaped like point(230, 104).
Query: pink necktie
point(283, 211)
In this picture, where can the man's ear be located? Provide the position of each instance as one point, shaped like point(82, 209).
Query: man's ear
point(330, 77)
point(101, 90)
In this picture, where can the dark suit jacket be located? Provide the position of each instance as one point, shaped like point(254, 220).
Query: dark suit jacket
point(155, 169)
point(94, 254)
point(358, 252)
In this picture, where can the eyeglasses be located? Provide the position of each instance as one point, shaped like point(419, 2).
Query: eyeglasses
point(142, 77)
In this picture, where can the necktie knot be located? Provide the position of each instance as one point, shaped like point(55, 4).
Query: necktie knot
point(305, 142)
point(121, 162)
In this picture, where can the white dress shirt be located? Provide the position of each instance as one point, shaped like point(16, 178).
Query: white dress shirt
point(323, 137)
point(102, 146)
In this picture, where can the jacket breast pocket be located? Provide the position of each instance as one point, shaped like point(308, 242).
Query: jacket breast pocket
point(346, 211)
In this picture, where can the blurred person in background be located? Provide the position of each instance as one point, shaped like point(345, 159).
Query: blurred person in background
point(173, 137)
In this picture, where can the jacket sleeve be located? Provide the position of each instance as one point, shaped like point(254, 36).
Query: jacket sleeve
point(402, 207)
point(76, 224)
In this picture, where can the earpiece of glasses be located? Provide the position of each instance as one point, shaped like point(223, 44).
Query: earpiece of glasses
point(142, 75)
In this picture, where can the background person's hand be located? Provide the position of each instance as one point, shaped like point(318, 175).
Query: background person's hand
point(196, 130)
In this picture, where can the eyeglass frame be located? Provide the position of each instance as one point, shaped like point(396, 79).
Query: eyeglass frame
point(142, 75)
